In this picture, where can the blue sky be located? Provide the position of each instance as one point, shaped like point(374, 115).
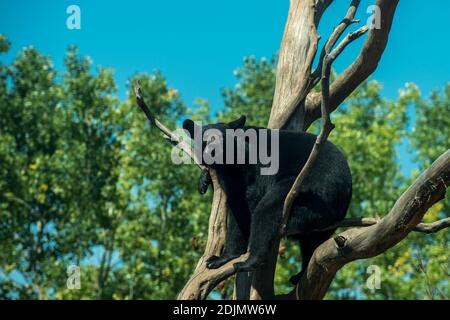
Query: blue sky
point(197, 44)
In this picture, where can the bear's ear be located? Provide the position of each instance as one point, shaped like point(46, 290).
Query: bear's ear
point(189, 126)
point(237, 124)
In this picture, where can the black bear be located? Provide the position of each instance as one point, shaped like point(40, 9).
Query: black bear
point(255, 200)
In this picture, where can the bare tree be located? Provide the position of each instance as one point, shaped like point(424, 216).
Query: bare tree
point(296, 106)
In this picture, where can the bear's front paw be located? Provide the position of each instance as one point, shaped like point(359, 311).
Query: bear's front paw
point(211, 261)
point(215, 262)
point(202, 187)
point(204, 182)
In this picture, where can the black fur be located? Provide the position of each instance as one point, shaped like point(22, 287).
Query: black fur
point(256, 201)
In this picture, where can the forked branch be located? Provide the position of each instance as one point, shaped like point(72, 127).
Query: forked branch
point(327, 126)
point(404, 217)
point(334, 37)
point(364, 65)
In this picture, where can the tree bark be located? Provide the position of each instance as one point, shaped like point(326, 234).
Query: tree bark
point(203, 279)
point(298, 48)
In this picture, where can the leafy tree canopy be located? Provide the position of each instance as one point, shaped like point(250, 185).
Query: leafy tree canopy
point(84, 180)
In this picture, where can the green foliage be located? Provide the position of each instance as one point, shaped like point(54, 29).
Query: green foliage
point(252, 95)
point(4, 44)
point(85, 180)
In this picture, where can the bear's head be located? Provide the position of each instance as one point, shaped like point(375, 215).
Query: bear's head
point(211, 140)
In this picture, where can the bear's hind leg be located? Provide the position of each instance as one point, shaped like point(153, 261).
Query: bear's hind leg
point(308, 244)
point(265, 226)
point(236, 241)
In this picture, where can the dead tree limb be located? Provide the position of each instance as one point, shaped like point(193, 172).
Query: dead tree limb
point(422, 227)
point(201, 282)
point(364, 65)
point(297, 52)
point(433, 227)
point(169, 135)
point(405, 216)
point(338, 31)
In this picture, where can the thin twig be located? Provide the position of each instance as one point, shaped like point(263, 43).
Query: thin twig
point(170, 136)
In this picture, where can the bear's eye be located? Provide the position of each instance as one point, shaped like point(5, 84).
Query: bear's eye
point(213, 145)
point(210, 143)
point(211, 140)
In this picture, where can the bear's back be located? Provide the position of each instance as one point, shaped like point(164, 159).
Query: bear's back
point(330, 177)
